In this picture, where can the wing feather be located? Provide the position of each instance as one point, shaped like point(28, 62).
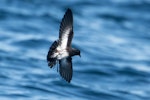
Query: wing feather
point(52, 61)
point(65, 69)
point(66, 30)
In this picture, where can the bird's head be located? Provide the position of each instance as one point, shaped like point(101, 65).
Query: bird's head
point(76, 52)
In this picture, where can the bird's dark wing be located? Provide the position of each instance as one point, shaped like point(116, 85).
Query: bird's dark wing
point(52, 61)
point(65, 69)
point(66, 30)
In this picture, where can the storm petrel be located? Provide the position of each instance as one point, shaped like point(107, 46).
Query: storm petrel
point(61, 50)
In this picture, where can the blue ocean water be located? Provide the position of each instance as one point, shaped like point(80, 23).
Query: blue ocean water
point(113, 36)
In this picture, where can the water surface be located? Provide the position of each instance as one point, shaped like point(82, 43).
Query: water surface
point(113, 36)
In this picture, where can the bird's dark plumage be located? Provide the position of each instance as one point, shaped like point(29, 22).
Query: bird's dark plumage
point(61, 49)
point(66, 68)
point(66, 30)
point(52, 61)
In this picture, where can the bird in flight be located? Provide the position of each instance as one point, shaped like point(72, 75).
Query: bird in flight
point(61, 51)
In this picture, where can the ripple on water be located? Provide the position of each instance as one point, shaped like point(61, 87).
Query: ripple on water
point(112, 36)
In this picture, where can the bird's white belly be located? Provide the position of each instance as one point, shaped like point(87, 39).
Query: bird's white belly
point(62, 55)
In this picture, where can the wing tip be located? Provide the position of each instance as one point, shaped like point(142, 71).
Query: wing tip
point(66, 76)
point(68, 10)
point(67, 80)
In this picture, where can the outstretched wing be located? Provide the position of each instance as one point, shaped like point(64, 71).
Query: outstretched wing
point(65, 69)
point(52, 61)
point(66, 30)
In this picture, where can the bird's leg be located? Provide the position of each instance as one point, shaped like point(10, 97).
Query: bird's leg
point(57, 66)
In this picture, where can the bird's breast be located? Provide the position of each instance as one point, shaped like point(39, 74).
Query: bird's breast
point(62, 54)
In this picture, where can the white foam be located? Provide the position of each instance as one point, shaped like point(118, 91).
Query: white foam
point(139, 93)
point(116, 40)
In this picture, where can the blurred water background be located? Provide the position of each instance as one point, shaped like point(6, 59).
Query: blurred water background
point(113, 36)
